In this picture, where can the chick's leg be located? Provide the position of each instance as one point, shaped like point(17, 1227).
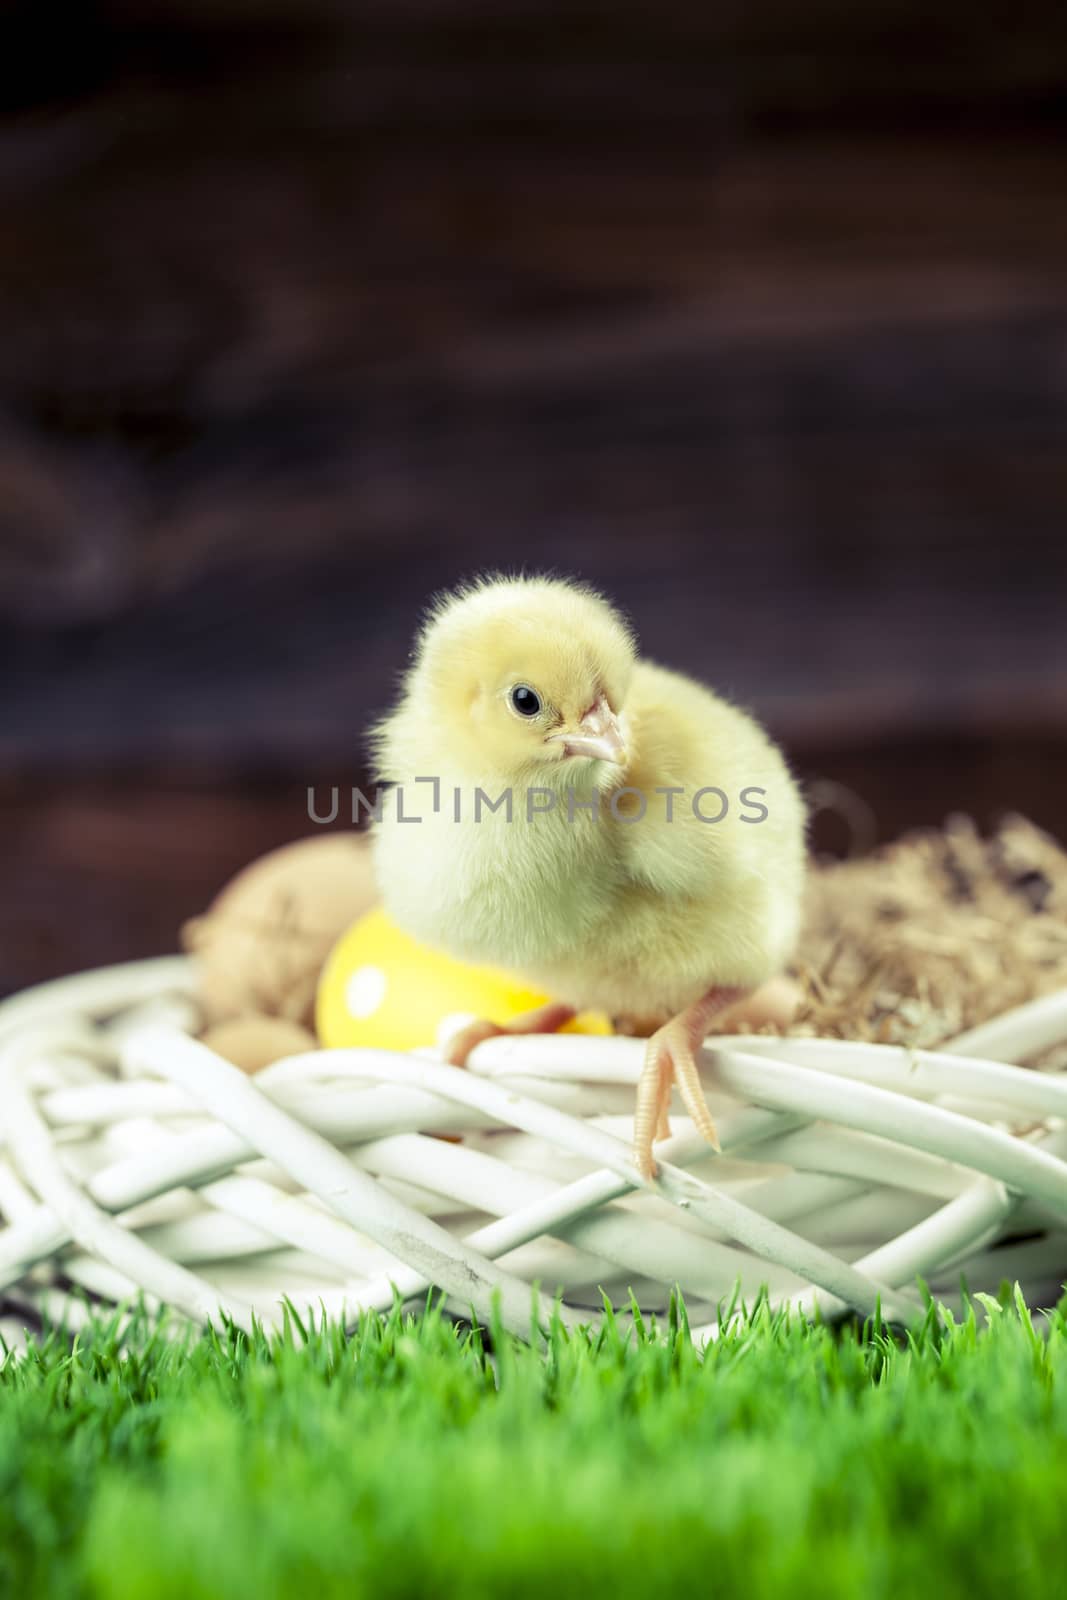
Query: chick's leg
point(671, 1058)
point(545, 1019)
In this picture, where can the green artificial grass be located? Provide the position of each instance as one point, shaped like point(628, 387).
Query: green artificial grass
point(407, 1460)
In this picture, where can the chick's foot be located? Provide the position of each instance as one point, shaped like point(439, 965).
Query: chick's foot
point(670, 1058)
point(545, 1019)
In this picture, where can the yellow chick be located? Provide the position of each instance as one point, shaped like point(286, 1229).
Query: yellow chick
point(614, 832)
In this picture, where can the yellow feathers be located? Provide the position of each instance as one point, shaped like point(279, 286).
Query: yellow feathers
point(481, 642)
point(610, 830)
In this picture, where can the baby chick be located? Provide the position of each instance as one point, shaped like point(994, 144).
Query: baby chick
point(612, 831)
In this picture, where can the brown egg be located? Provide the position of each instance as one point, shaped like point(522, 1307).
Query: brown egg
point(262, 943)
point(254, 1042)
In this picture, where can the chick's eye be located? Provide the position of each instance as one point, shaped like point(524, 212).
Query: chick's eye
point(526, 701)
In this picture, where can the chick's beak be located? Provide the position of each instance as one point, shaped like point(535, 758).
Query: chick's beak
point(597, 737)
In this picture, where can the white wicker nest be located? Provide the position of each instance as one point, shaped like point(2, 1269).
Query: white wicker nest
point(136, 1161)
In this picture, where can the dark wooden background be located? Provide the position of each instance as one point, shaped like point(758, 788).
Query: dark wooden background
point(754, 314)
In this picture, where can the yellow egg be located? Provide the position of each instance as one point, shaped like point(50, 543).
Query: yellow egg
point(380, 989)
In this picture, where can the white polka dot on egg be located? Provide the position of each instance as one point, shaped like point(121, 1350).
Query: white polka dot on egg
point(365, 991)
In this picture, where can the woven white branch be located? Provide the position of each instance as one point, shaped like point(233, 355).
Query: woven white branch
point(135, 1160)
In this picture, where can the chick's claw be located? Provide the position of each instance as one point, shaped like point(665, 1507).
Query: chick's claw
point(545, 1019)
point(669, 1060)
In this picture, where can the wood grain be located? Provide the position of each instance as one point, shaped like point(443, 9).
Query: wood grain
point(753, 315)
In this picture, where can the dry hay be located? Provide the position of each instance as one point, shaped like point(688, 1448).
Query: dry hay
point(934, 934)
